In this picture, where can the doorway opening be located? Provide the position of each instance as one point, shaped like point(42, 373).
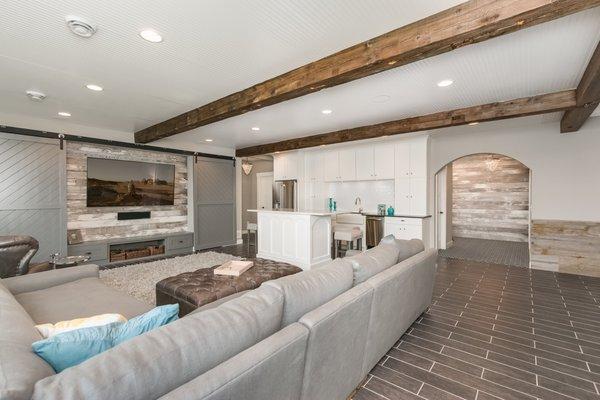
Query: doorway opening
point(257, 190)
point(482, 208)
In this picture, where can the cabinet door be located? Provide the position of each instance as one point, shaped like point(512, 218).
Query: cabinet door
point(418, 158)
point(364, 163)
point(413, 232)
point(418, 196)
point(278, 167)
point(314, 167)
point(402, 159)
point(331, 166)
point(347, 166)
point(383, 161)
point(291, 165)
point(402, 196)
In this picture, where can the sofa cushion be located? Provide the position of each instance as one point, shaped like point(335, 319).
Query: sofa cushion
point(153, 364)
point(373, 261)
point(406, 248)
point(77, 299)
point(20, 368)
point(308, 290)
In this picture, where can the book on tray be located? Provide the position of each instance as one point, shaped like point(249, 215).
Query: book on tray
point(234, 268)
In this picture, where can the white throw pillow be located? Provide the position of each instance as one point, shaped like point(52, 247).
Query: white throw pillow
point(49, 330)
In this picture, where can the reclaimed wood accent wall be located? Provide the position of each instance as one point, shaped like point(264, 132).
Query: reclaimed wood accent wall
point(572, 247)
point(99, 223)
point(490, 198)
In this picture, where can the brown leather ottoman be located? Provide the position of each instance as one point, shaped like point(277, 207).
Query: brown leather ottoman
point(195, 289)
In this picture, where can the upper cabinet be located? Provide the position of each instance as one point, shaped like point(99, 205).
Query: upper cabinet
point(411, 158)
point(340, 165)
point(285, 166)
point(314, 167)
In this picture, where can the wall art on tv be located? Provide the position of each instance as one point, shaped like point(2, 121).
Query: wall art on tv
point(119, 183)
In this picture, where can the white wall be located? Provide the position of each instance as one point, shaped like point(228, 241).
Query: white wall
point(565, 180)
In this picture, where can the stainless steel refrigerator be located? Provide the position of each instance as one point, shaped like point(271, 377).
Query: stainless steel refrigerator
point(285, 196)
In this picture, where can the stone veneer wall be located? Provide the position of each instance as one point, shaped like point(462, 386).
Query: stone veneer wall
point(101, 222)
point(566, 246)
point(490, 198)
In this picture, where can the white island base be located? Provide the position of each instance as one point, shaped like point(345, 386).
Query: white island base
point(300, 238)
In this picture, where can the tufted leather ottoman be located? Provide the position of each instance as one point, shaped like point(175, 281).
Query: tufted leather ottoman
point(195, 289)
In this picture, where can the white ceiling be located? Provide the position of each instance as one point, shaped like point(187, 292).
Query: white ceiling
point(212, 48)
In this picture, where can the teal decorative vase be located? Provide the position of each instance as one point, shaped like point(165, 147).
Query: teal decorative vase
point(390, 211)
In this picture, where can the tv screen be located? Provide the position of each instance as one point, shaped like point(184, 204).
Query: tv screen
point(117, 183)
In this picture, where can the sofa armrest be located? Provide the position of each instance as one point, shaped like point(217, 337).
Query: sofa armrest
point(46, 279)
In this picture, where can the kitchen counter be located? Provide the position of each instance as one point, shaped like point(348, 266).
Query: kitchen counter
point(290, 211)
point(374, 214)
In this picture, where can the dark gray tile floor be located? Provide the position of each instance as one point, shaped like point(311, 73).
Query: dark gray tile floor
point(497, 332)
point(489, 251)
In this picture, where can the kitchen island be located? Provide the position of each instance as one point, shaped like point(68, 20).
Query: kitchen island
point(301, 238)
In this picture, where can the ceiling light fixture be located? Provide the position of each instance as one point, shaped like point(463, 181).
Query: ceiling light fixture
point(35, 95)
point(80, 26)
point(445, 83)
point(151, 36)
point(64, 114)
point(255, 128)
point(93, 87)
point(247, 166)
point(208, 140)
point(327, 112)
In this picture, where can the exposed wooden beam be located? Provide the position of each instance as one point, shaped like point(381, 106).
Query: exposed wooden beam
point(588, 96)
point(471, 22)
point(541, 104)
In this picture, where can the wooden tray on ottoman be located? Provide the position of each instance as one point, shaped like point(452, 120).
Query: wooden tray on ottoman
point(195, 289)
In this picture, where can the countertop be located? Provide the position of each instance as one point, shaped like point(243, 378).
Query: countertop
point(326, 213)
point(319, 213)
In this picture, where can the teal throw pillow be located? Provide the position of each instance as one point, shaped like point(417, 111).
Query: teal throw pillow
point(74, 347)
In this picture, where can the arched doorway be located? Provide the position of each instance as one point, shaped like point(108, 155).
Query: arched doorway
point(482, 204)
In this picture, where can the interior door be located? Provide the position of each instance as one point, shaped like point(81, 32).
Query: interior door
point(33, 192)
point(214, 203)
point(441, 208)
point(264, 190)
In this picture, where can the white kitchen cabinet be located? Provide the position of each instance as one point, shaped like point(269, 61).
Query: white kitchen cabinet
point(418, 158)
point(402, 156)
point(383, 161)
point(418, 196)
point(374, 162)
point(402, 196)
point(365, 169)
point(331, 165)
point(347, 159)
point(411, 176)
point(285, 166)
point(314, 167)
point(404, 228)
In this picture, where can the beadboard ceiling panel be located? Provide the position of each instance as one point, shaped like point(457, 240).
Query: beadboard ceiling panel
point(212, 48)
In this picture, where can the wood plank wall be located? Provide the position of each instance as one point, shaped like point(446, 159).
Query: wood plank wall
point(100, 223)
point(490, 198)
point(566, 246)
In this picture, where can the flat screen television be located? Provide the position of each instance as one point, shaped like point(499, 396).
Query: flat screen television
point(117, 183)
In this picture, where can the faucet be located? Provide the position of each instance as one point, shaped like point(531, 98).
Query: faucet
point(358, 202)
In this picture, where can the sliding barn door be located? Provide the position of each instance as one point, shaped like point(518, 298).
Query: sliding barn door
point(33, 192)
point(214, 203)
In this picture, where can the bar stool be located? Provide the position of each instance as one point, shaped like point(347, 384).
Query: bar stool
point(252, 227)
point(348, 234)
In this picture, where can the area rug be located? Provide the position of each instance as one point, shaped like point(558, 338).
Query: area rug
point(139, 280)
point(514, 254)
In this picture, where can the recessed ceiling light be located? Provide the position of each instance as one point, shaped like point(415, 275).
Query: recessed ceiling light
point(35, 95)
point(208, 140)
point(327, 112)
point(64, 114)
point(151, 36)
point(80, 26)
point(445, 83)
point(473, 123)
point(93, 87)
point(255, 128)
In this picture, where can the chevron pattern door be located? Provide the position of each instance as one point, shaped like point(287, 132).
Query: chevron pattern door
point(32, 192)
point(214, 203)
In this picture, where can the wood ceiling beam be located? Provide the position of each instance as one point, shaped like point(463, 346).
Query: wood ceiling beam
point(541, 104)
point(471, 22)
point(588, 96)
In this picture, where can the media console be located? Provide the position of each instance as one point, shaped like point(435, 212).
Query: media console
point(114, 251)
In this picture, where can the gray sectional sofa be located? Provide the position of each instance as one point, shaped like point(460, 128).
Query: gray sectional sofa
point(314, 335)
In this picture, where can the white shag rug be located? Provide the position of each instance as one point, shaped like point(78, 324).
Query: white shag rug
point(139, 280)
